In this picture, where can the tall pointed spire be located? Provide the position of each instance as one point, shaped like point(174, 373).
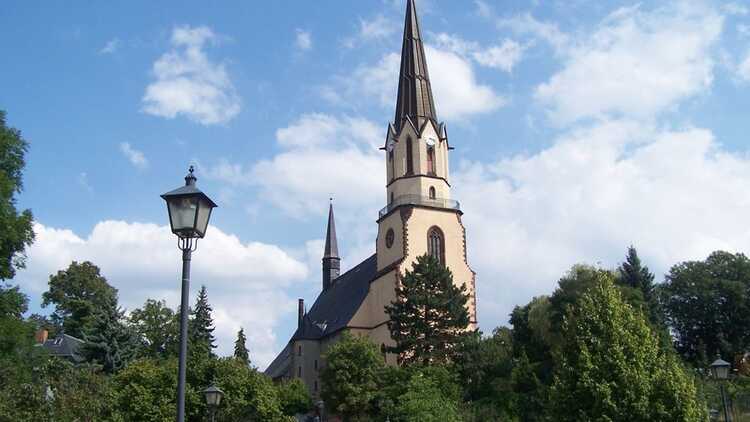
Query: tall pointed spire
point(331, 259)
point(414, 91)
point(332, 247)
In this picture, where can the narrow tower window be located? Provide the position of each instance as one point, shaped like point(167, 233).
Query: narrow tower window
point(435, 244)
point(390, 162)
point(431, 161)
point(432, 192)
point(409, 159)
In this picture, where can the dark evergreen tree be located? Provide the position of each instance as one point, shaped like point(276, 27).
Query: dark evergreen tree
point(240, 349)
point(16, 228)
point(634, 274)
point(429, 319)
point(201, 326)
point(110, 342)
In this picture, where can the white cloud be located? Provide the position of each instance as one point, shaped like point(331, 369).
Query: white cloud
point(526, 24)
point(324, 156)
point(743, 69)
point(635, 63)
point(503, 56)
point(458, 94)
point(188, 83)
point(378, 27)
point(110, 47)
point(245, 281)
point(673, 193)
point(303, 40)
point(133, 155)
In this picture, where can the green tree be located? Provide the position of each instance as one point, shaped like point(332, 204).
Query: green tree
point(707, 306)
point(78, 293)
point(201, 326)
point(484, 366)
point(110, 342)
point(429, 319)
point(294, 397)
point(634, 274)
point(611, 366)
point(350, 377)
point(16, 228)
point(426, 400)
point(240, 349)
point(145, 391)
point(157, 328)
point(248, 394)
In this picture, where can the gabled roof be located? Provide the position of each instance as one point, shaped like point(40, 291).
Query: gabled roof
point(279, 367)
point(65, 346)
point(335, 307)
point(414, 91)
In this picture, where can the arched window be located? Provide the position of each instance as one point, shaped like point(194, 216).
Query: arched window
point(435, 244)
point(431, 161)
point(409, 158)
point(432, 192)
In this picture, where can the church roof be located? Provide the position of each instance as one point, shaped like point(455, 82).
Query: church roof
point(414, 91)
point(335, 306)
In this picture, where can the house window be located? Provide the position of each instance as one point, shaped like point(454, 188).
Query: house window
point(299, 350)
point(431, 161)
point(409, 159)
point(299, 372)
point(315, 364)
point(432, 192)
point(436, 244)
point(315, 385)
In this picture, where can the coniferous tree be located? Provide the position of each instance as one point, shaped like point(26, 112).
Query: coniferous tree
point(109, 341)
point(201, 326)
point(429, 319)
point(635, 275)
point(240, 349)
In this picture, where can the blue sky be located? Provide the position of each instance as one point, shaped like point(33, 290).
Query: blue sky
point(580, 127)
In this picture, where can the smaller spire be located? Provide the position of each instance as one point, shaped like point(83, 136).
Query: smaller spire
point(331, 259)
point(332, 247)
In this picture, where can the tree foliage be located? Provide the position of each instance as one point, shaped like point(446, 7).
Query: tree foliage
point(427, 401)
point(157, 328)
point(707, 306)
point(350, 377)
point(294, 397)
point(17, 228)
point(240, 349)
point(611, 366)
point(201, 326)
point(110, 342)
point(78, 293)
point(429, 318)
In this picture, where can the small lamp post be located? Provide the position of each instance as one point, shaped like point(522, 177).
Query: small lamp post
point(189, 211)
point(720, 372)
point(213, 400)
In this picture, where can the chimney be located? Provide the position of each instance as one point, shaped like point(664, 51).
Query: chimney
point(300, 312)
point(41, 336)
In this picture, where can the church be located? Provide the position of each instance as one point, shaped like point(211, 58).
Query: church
point(420, 217)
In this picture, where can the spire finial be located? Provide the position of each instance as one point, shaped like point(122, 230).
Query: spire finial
point(190, 178)
point(414, 91)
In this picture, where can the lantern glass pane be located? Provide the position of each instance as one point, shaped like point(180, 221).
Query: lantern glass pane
point(204, 212)
point(722, 372)
point(182, 212)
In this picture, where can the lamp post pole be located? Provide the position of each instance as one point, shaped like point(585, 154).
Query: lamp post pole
point(725, 403)
point(189, 211)
point(187, 252)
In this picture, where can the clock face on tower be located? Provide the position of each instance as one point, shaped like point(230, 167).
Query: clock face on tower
point(389, 238)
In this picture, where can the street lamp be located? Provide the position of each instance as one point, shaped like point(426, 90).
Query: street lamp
point(189, 211)
point(213, 399)
point(720, 372)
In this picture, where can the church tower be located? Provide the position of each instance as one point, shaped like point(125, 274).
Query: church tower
point(420, 217)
